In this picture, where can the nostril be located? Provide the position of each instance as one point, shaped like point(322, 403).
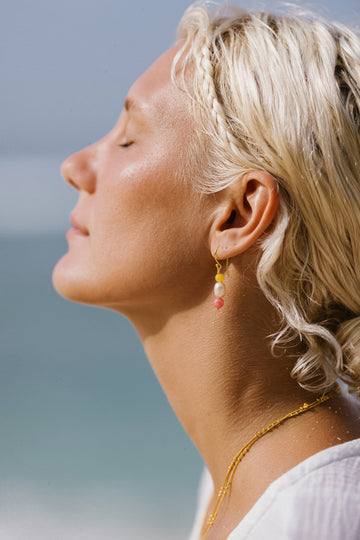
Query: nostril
point(72, 183)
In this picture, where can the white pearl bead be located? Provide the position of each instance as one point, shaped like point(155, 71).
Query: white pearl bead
point(219, 290)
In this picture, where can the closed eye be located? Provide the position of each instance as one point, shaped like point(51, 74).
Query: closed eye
point(126, 145)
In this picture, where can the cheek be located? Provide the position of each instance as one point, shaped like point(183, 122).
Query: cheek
point(136, 202)
point(144, 228)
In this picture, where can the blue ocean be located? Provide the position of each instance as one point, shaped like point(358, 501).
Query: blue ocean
point(90, 448)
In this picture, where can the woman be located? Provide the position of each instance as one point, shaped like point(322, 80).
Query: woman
point(236, 157)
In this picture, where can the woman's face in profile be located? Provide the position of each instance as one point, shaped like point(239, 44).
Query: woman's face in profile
point(137, 225)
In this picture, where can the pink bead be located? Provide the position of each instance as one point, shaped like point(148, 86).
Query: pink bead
point(218, 303)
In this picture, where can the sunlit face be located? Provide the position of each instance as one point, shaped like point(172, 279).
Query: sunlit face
point(139, 230)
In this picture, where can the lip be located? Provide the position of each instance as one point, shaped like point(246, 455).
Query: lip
point(75, 232)
point(78, 228)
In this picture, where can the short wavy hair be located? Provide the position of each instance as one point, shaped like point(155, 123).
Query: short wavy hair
point(281, 93)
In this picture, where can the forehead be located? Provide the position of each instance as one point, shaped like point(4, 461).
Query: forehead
point(155, 95)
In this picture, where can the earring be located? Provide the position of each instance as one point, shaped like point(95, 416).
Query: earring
point(219, 288)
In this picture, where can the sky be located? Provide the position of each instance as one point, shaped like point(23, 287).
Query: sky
point(65, 70)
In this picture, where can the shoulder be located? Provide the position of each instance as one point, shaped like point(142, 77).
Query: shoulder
point(319, 498)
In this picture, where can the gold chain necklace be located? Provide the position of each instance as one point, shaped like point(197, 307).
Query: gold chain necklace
point(239, 456)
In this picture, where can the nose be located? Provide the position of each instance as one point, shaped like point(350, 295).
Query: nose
point(79, 169)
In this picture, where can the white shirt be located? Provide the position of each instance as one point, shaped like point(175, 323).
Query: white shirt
point(319, 499)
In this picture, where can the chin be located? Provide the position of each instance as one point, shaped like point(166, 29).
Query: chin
point(74, 280)
point(73, 283)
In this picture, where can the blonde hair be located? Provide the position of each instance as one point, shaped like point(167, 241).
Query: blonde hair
point(281, 93)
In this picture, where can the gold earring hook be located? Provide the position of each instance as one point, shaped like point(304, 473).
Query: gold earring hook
point(219, 265)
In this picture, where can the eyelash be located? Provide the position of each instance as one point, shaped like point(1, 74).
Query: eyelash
point(126, 145)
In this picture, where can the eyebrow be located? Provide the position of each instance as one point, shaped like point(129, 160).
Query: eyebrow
point(137, 110)
point(131, 105)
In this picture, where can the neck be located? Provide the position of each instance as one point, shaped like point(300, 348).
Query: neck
point(220, 376)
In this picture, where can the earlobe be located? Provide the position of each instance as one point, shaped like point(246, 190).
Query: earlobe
point(247, 211)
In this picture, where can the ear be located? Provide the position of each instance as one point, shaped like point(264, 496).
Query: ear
point(246, 211)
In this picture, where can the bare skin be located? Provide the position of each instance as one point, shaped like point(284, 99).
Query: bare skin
point(145, 251)
point(249, 389)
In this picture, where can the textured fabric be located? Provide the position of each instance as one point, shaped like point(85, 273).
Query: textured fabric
point(318, 499)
